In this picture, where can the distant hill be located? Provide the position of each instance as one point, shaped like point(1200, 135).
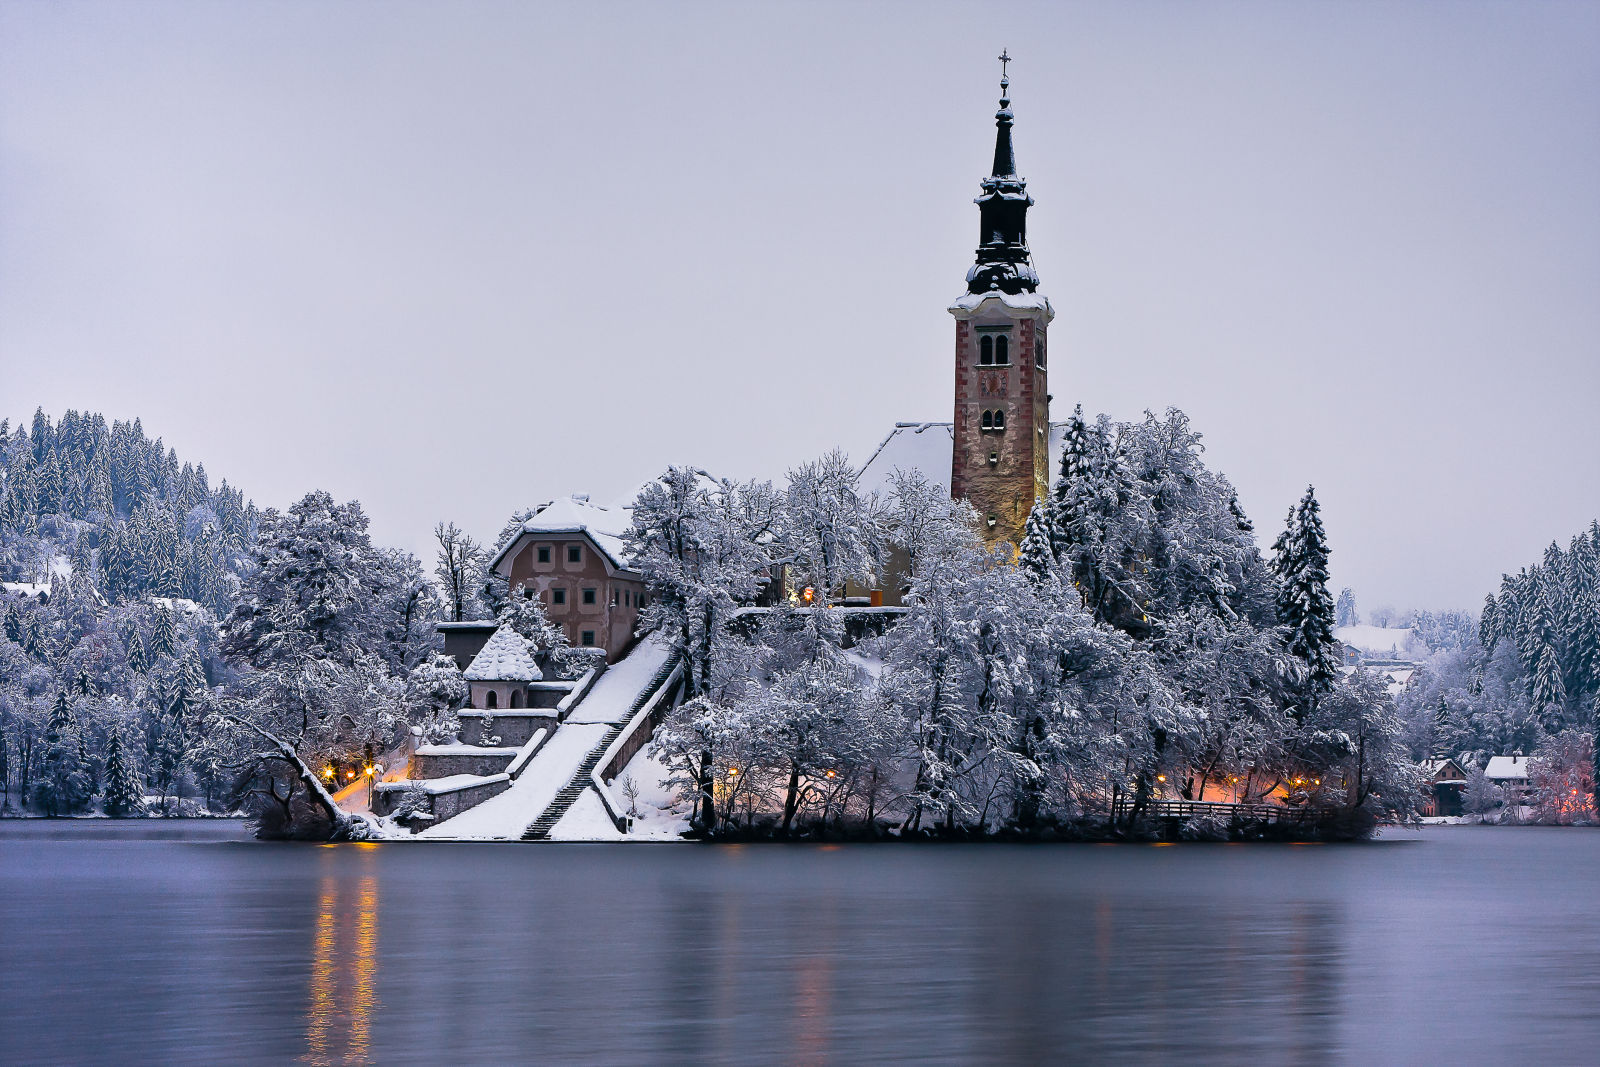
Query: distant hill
point(83, 498)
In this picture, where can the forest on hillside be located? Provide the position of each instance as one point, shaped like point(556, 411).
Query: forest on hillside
point(150, 623)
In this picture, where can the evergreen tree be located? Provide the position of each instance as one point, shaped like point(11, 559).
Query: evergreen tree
point(124, 797)
point(64, 784)
point(1035, 554)
point(138, 661)
point(1300, 564)
point(164, 636)
point(1549, 691)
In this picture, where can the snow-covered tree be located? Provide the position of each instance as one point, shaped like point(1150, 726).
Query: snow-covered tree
point(437, 690)
point(64, 784)
point(124, 796)
point(459, 564)
point(1344, 609)
point(1300, 565)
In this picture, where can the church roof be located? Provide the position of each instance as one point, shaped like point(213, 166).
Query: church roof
point(927, 447)
point(504, 658)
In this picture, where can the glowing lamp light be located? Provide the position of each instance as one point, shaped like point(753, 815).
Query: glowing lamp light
point(808, 594)
point(368, 770)
point(327, 772)
point(830, 775)
point(349, 774)
point(733, 772)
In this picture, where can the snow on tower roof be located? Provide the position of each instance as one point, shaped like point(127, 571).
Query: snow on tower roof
point(504, 658)
point(602, 525)
point(927, 447)
point(1014, 301)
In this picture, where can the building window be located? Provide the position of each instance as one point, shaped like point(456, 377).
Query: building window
point(985, 351)
point(489, 701)
point(516, 698)
point(544, 553)
point(993, 421)
point(574, 554)
point(558, 596)
point(588, 637)
point(616, 598)
point(588, 596)
point(987, 423)
point(1002, 350)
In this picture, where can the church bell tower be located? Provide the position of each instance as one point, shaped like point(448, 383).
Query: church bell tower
point(1001, 458)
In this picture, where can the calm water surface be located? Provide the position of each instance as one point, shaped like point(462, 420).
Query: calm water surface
point(186, 943)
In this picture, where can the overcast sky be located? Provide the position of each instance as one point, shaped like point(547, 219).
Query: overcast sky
point(453, 259)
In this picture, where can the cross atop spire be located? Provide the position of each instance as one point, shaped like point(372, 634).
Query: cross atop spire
point(1004, 59)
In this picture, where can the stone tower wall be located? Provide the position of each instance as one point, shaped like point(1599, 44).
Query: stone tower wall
point(1001, 473)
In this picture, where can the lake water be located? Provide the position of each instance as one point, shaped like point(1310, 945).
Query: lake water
point(187, 943)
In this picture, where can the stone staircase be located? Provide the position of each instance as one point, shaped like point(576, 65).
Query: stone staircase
point(540, 830)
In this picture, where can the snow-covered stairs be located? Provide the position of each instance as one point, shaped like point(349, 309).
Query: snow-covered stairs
point(584, 778)
point(569, 793)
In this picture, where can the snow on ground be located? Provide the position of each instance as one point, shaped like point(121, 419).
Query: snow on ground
point(870, 664)
point(586, 820)
point(1378, 641)
point(505, 817)
point(660, 816)
point(612, 696)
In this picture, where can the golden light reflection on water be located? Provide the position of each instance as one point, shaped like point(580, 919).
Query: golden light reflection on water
point(342, 989)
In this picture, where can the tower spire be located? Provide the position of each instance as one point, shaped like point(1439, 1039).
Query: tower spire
point(1003, 261)
point(1005, 160)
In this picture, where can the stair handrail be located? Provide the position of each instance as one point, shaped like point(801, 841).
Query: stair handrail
point(665, 678)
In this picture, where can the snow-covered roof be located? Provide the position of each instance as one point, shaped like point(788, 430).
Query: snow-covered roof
point(602, 525)
point(1433, 768)
point(504, 658)
point(25, 588)
point(967, 302)
point(178, 604)
point(1503, 767)
point(927, 447)
point(1379, 640)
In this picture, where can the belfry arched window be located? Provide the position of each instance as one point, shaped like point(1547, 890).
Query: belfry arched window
point(985, 351)
point(1002, 349)
point(999, 422)
point(987, 423)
